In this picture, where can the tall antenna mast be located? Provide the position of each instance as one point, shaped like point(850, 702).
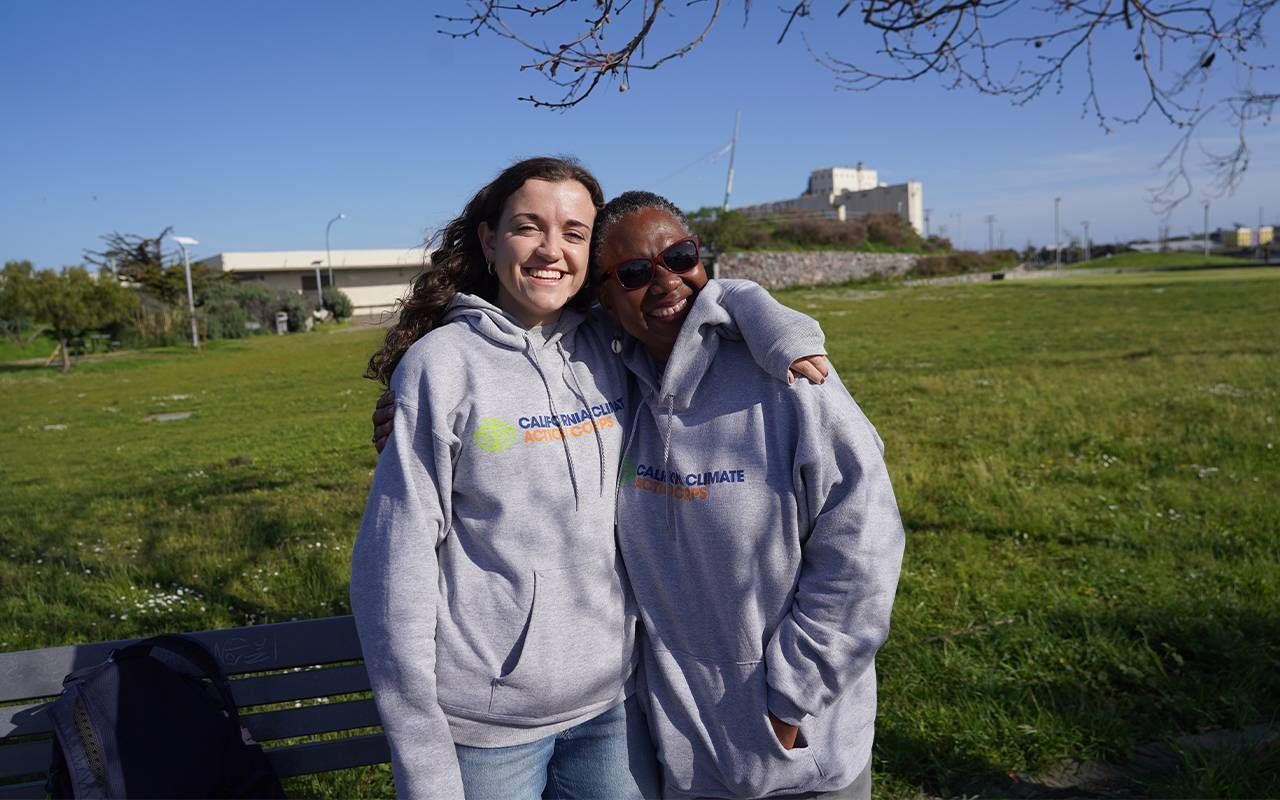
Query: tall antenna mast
point(733, 150)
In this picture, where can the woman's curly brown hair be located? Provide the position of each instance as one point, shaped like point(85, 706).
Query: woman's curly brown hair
point(458, 263)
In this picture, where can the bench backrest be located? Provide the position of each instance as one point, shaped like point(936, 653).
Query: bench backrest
point(306, 664)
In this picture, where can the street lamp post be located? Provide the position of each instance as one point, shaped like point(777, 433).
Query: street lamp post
point(328, 257)
point(319, 293)
point(1057, 234)
point(183, 241)
point(1206, 228)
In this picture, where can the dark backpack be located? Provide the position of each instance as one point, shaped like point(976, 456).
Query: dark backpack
point(156, 719)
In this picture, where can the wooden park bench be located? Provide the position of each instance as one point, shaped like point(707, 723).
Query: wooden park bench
point(297, 663)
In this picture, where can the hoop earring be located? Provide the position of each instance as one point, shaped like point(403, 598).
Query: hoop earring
point(491, 272)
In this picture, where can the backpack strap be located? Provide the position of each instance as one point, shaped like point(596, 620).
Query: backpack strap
point(193, 659)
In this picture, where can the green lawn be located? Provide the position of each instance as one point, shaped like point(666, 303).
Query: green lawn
point(1158, 260)
point(1089, 473)
point(40, 347)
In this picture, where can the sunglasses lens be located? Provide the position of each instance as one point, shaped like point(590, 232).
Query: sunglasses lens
point(635, 273)
point(681, 257)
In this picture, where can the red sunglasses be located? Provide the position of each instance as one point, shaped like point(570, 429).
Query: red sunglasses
point(636, 273)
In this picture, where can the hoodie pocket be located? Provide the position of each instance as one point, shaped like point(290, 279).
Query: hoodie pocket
point(715, 717)
point(577, 648)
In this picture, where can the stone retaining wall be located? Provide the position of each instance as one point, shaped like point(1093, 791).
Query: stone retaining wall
point(779, 270)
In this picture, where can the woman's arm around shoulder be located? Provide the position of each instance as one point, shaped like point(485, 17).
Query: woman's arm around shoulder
point(784, 342)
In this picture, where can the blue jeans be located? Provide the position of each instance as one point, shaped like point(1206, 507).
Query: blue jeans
point(608, 757)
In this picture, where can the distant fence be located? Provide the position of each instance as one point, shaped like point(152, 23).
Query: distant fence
point(779, 270)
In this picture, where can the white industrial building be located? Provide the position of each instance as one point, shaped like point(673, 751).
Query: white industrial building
point(373, 279)
point(849, 192)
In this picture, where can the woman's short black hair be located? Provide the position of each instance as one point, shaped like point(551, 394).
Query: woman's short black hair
point(623, 205)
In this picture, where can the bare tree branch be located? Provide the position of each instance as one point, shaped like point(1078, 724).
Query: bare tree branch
point(1018, 49)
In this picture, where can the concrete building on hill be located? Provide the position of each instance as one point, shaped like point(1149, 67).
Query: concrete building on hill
point(373, 279)
point(849, 192)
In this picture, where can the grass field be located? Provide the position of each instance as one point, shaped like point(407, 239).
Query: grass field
point(40, 347)
point(1089, 473)
point(1158, 260)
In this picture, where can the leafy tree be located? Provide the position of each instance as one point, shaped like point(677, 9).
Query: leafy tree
point(140, 261)
point(17, 303)
point(1010, 48)
point(73, 302)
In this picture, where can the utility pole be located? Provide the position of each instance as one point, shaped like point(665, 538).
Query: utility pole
point(1086, 239)
point(927, 213)
point(733, 151)
point(991, 235)
point(1206, 228)
point(1057, 232)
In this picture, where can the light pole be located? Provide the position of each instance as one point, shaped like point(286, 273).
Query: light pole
point(1086, 239)
point(328, 257)
point(183, 241)
point(319, 294)
point(1206, 228)
point(1057, 235)
point(928, 212)
point(991, 236)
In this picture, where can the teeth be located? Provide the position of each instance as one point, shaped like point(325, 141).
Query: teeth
point(669, 311)
point(549, 274)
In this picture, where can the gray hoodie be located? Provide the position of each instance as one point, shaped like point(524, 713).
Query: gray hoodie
point(491, 603)
point(763, 544)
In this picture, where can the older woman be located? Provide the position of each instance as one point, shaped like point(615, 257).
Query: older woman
point(759, 531)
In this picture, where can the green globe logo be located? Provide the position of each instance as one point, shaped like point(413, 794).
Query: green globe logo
point(494, 435)
point(628, 471)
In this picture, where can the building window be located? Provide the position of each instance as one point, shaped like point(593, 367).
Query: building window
point(309, 281)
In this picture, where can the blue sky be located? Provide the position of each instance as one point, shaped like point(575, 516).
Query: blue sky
point(248, 125)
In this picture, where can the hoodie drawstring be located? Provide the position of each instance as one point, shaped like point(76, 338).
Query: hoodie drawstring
point(532, 355)
point(582, 397)
point(666, 464)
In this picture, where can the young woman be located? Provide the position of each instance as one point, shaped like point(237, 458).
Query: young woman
point(760, 534)
point(496, 622)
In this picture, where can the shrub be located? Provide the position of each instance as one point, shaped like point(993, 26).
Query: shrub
point(963, 262)
point(154, 324)
point(298, 309)
point(891, 230)
point(337, 302)
point(222, 312)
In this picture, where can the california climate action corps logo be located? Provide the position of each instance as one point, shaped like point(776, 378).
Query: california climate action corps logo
point(628, 470)
point(493, 435)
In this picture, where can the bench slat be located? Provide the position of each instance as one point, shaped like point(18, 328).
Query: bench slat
point(263, 689)
point(33, 790)
point(24, 720)
point(298, 759)
point(30, 674)
point(313, 757)
point(28, 758)
point(31, 718)
point(325, 718)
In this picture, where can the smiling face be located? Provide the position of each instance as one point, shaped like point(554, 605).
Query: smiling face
point(654, 313)
point(539, 248)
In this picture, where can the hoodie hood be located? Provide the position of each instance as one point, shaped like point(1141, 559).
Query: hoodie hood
point(504, 330)
point(672, 390)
